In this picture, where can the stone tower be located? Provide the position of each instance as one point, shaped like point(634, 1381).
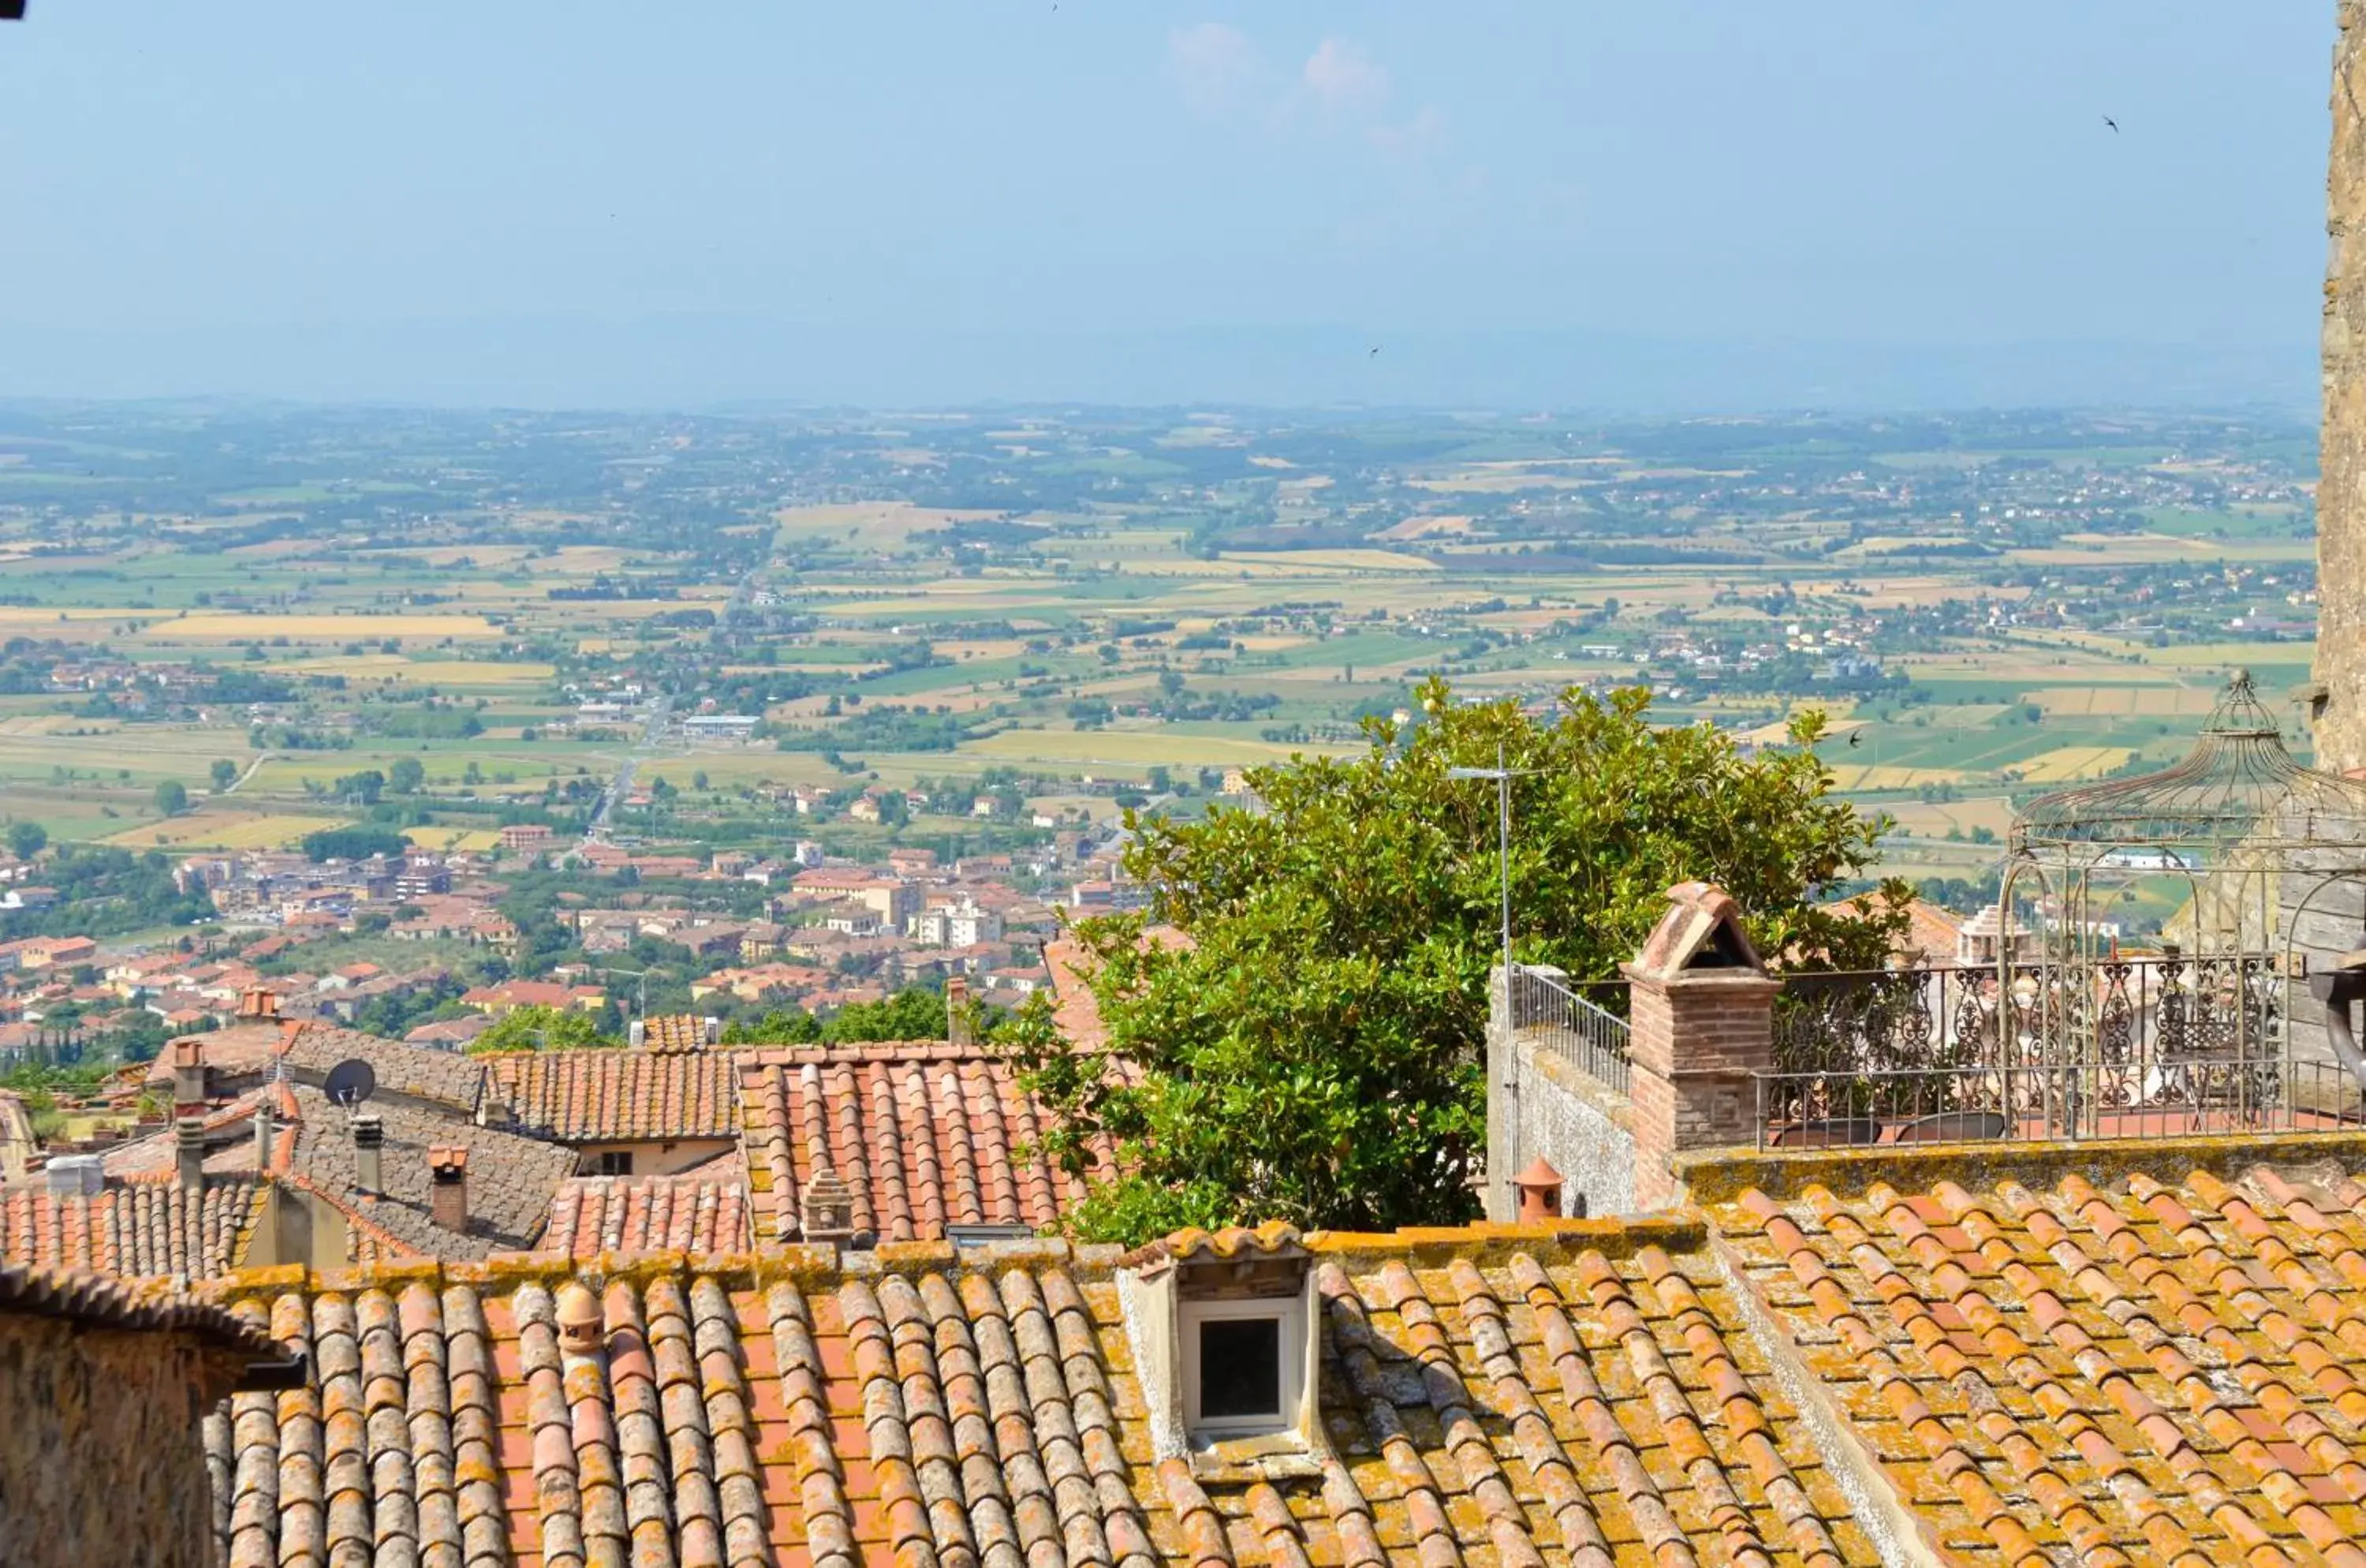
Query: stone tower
point(2339, 699)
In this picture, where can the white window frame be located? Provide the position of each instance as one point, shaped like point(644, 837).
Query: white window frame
point(1289, 1313)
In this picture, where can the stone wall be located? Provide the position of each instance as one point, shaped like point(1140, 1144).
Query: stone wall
point(2341, 491)
point(101, 1460)
point(1539, 1103)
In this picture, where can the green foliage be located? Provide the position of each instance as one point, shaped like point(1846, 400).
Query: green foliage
point(26, 840)
point(103, 892)
point(543, 1029)
point(913, 1013)
point(358, 843)
point(406, 775)
point(172, 798)
point(224, 773)
point(1314, 1054)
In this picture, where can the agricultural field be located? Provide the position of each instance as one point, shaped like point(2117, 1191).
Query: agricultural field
point(446, 622)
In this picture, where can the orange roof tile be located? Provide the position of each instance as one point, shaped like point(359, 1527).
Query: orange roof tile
point(617, 1096)
point(590, 1215)
point(2152, 1354)
point(925, 1132)
point(1494, 1398)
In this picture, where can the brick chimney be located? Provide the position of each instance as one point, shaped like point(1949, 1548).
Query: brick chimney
point(447, 1192)
point(959, 1030)
point(370, 1146)
point(188, 1077)
point(259, 1004)
point(189, 1152)
point(1701, 1008)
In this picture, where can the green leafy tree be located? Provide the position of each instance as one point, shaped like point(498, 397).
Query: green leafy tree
point(26, 840)
point(224, 773)
point(1314, 1051)
point(172, 798)
point(543, 1029)
point(405, 775)
point(913, 1013)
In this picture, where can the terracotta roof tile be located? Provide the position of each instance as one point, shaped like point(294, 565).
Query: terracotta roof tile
point(674, 1033)
point(2141, 1368)
point(595, 1214)
point(927, 1134)
point(601, 1096)
point(1584, 1395)
point(140, 1229)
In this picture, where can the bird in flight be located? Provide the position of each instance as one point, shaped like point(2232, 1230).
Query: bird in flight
point(2113, 123)
point(1856, 738)
point(1375, 350)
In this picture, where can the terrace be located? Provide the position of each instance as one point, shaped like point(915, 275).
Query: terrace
point(2041, 1027)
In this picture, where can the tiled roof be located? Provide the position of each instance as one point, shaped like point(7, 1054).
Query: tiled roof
point(106, 1303)
point(438, 1078)
point(140, 1229)
point(511, 1179)
point(2140, 1356)
point(1493, 1399)
point(698, 1214)
point(598, 1096)
point(675, 1032)
point(925, 1132)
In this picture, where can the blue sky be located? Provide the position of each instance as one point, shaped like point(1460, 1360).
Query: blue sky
point(1681, 202)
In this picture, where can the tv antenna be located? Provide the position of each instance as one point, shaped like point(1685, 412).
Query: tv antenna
point(350, 1082)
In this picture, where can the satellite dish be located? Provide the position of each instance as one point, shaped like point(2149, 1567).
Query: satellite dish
point(350, 1082)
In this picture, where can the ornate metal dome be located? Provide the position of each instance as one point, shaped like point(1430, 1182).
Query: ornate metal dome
point(2238, 786)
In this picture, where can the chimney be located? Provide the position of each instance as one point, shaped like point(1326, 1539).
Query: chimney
point(827, 1207)
point(75, 1176)
point(447, 1195)
point(369, 1145)
point(958, 1026)
point(188, 1077)
point(265, 1131)
point(711, 1026)
point(637, 1033)
point(259, 1003)
point(1701, 1012)
point(189, 1152)
point(1539, 1188)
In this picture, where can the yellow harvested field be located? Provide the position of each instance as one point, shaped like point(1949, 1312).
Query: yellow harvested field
point(1851, 776)
point(17, 616)
point(889, 523)
point(1415, 527)
point(2068, 764)
point(449, 839)
point(222, 627)
point(1331, 561)
point(1928, 820)
point(1136, 748)
point(207, 829)
point(2121, 701)
point(426, 671)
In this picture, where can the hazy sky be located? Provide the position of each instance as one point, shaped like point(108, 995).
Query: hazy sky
point(556, 200)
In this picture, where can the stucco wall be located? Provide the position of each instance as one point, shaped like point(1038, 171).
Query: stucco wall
point(100, 1456)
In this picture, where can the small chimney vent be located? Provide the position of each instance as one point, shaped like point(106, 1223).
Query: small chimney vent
point(447, 1196)
point(189, 1151)
point(369, 1150)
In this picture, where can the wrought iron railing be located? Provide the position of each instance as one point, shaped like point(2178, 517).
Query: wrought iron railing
point(1588, 1037)
point(2137, 1047)
point(1973, 1104)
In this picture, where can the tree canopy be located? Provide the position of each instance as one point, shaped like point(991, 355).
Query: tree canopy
point(1313, 1052)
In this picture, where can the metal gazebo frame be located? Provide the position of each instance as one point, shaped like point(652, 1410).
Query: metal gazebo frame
point(2080, 1040)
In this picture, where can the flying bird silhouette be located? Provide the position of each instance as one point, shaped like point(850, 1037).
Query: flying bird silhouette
point(1374, 351)
point(2113, 123)
point(1856, 738)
